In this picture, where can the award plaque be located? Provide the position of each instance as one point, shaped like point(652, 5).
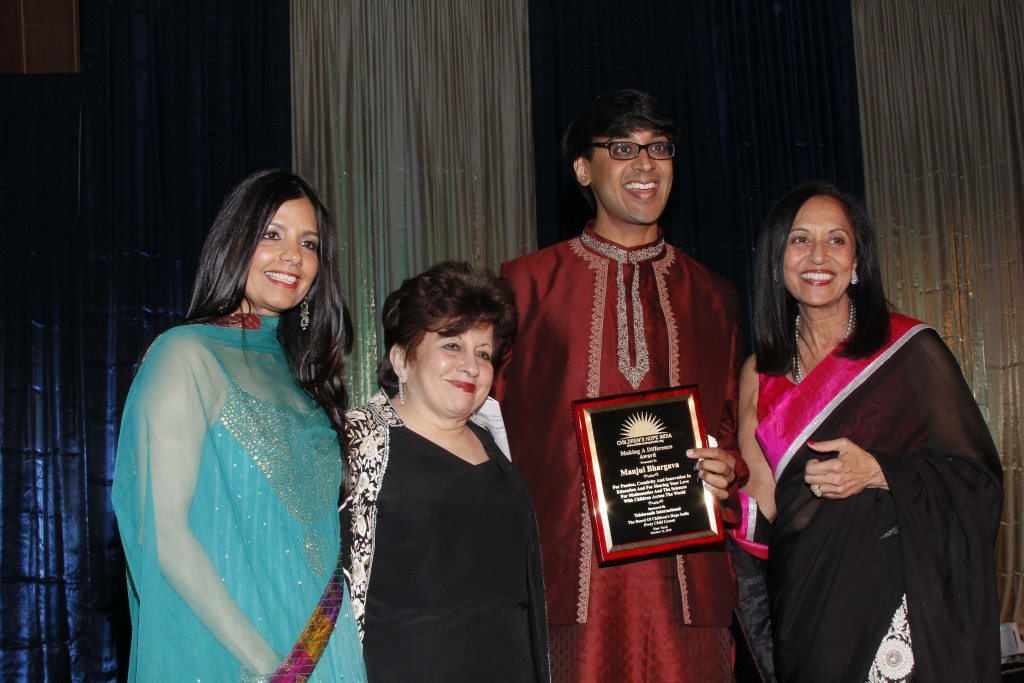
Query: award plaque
point(644, 493)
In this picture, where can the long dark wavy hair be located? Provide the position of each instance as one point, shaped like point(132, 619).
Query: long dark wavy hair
point(448, 298)
point(775, 309)
point(316, 355)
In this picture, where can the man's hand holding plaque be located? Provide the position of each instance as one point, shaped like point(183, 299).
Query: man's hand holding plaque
point(716, 467)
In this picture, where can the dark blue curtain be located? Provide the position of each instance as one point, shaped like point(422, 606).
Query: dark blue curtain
point(764, 92)
point(108, 181)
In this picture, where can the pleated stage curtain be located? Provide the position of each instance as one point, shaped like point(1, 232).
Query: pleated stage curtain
point(413, 119)
point(109, 180)
point(942, 119)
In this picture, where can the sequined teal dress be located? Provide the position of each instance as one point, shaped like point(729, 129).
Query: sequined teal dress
point(226, 488)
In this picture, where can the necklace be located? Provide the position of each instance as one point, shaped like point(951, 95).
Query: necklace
point(851, 323)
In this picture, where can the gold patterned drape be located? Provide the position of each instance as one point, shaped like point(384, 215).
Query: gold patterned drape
point(941, 88)
point(413, 119)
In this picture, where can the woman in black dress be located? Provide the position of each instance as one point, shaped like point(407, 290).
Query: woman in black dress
point(436, 511)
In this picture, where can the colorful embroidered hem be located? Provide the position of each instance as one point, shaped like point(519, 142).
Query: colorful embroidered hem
point(305, 654)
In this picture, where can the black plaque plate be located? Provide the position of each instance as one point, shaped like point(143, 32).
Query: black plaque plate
point(644, 493)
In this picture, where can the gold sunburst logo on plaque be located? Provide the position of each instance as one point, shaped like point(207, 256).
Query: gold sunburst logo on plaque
point(641, 424)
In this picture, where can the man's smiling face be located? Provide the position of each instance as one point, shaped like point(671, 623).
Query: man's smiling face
point(630, 193)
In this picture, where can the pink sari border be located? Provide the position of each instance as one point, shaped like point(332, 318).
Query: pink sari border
point(802, 410)
point(743, 533)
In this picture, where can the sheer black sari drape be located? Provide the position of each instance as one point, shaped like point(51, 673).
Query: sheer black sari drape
point(838, 568)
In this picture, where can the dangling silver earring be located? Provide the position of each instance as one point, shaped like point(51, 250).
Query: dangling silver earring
point(775, 275)
point(304, 314)
point(854, 280)
point(401, 392)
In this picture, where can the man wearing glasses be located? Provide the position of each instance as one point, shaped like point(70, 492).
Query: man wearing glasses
point(613, 311)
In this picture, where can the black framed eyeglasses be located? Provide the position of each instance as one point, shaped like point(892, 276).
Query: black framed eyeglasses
point(624, 149)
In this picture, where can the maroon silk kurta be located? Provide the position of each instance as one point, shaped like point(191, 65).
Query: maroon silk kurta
point(576, 340)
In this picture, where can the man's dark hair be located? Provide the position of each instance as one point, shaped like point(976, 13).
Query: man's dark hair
point(613, 115)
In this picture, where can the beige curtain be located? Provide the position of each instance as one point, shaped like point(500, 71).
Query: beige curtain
point(413, 119)
point(941, 87)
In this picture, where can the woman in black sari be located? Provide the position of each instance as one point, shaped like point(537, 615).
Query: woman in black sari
point(867, 448)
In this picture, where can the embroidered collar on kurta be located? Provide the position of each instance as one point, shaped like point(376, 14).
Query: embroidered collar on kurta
point(634, 372)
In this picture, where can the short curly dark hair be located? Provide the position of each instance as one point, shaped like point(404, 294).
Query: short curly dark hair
point(448, 298)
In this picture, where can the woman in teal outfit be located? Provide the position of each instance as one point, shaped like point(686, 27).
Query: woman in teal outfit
point(228, 465)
